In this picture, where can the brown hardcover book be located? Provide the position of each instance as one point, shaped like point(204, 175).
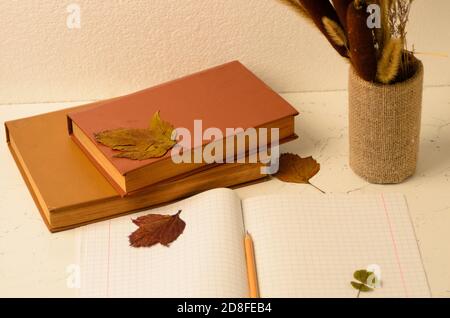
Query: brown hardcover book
point(227, 96)
point(69, 191)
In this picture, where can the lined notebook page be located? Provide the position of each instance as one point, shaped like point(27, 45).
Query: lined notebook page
point(207, 260)
point(309, 246)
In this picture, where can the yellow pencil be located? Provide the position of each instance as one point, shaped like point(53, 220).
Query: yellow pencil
point(251, 266)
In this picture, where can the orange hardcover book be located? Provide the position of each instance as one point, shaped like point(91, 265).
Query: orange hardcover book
point(226, 96)
point(69, 191)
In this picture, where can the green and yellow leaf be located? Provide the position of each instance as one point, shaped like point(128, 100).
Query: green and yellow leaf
point(361, 287)
point(362, 275)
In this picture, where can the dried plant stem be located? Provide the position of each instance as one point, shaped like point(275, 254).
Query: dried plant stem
point(360, 38)
point(386, 31)
point(359, 293)
point(314, 186)
point(436, 54)
point(341, 7)
point(397, 19)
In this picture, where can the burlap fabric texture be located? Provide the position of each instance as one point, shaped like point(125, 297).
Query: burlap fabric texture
point(384, 127)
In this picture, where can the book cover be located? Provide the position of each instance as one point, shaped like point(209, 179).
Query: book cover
point(69, 191)
point(227, 96)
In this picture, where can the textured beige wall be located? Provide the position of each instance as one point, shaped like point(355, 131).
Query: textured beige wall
point(126, 45)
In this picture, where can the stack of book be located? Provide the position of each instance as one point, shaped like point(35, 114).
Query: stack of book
point(74, 179)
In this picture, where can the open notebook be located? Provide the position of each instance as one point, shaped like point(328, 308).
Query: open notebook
point(305, 246)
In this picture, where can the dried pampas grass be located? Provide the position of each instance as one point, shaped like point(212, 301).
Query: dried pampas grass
point(318, 9)
point(335, 32)
point(377, 55)
point(390, 61)
point(398, 16)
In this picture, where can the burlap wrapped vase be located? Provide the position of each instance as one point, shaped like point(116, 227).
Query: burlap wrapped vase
point(384, 127)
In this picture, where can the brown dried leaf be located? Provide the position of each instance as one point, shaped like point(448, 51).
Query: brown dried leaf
point(140, 144)
point(156, 228)
point(296, 169)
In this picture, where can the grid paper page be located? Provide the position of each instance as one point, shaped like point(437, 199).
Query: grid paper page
point(309, 246)
point(207, 260)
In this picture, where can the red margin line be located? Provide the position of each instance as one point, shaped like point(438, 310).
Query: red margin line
point(394, 245)
point(109, 252)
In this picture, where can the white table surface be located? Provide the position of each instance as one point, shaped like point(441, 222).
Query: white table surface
point(33, 262)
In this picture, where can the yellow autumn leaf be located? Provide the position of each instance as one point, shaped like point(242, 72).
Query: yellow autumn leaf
point(140, 144)
point(295, 169)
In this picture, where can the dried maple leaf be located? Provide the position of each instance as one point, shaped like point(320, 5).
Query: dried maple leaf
point(296, 169)
point(140, 144)
point(156, 228)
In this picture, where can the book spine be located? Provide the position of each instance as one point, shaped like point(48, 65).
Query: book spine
point(30, 188)
point(99, 168)
point(69, 125)
point(92, 159)
point(7, 132)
